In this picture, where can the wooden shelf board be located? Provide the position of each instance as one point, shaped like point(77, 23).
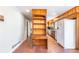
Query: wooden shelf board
point(38, 28)
point(39, 23)
point(38, 18)
point(38, 34)
point(38, 15)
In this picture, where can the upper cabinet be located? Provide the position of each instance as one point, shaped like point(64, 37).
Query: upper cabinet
point(1, 18)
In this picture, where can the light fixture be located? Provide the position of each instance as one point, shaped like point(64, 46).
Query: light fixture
point(27, 10)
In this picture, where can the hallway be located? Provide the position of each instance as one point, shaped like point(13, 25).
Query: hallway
point(53, 47)
point(52, 29)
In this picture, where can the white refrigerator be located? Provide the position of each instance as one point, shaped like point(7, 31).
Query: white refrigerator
point(65, 33)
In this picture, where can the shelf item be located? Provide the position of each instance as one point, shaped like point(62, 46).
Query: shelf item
point(39, 27)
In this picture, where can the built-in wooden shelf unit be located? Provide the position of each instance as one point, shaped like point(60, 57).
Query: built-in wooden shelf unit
point(39, 27)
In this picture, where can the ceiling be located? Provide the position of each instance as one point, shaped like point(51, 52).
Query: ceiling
point(53, 11)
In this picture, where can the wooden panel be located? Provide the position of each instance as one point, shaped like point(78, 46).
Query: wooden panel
point(67, 13)
point(73, 16)
point(77, 31)
point(77, 9)
point(71, 11)
point(39, 11)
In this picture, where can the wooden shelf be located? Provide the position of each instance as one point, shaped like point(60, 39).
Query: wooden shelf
point(36, 15)
point(38, 34)
point(39, 27)
point(40, 18)
point(39, 23)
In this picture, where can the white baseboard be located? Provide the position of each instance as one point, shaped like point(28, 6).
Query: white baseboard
point(17, 46)
point(69, 47)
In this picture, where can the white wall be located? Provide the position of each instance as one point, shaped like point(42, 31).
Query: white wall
point(60, 32)
point(29, 28)
point(12, 29)
point(25, 28)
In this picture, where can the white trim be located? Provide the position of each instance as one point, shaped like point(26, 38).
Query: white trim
point(17, 46)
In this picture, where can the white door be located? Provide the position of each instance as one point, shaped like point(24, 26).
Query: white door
point(69, 38)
